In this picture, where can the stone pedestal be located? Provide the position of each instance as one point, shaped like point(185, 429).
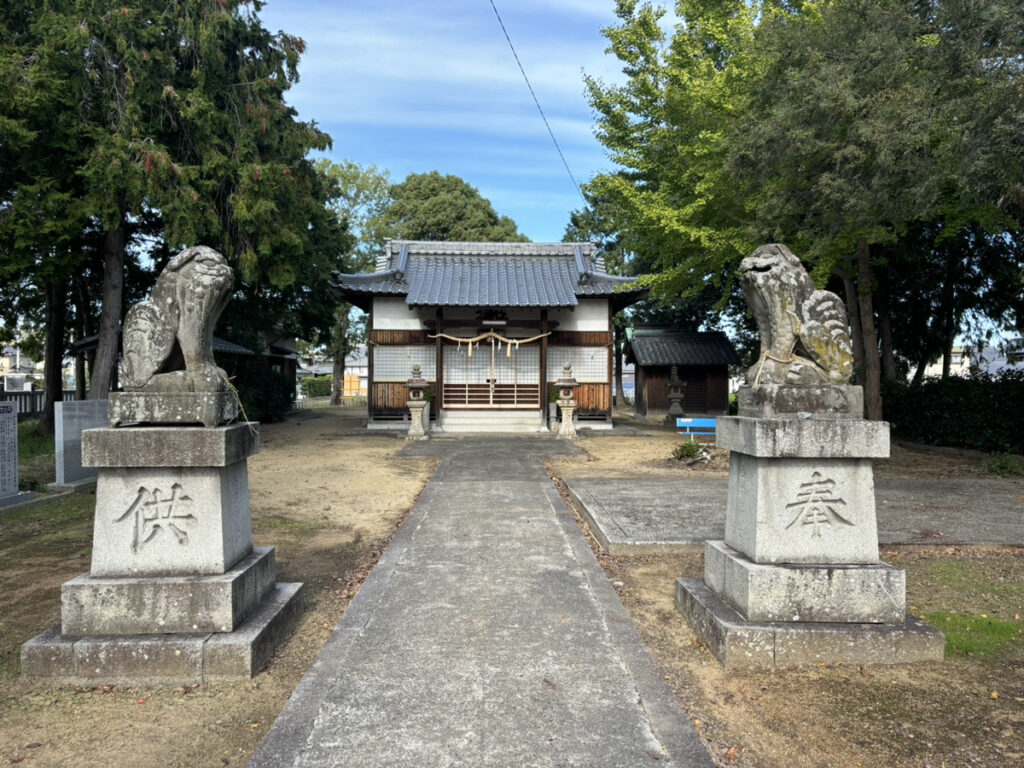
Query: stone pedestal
point(567, 429)
point(419, 417)
point(797, 579)
point(176, 592)
point(676, 390)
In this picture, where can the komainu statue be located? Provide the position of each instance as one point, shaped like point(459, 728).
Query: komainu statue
point(174, 328)
point(804, 337)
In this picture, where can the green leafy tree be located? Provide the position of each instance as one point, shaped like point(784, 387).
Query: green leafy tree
point(361, 197)
point(871, 119)
point(871, 136)
point(664, 126)
point(167, 113)
point(429, 206)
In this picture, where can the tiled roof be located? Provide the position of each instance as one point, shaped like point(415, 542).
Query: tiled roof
point(486, 275)
point(683, 348)
point(223, 345)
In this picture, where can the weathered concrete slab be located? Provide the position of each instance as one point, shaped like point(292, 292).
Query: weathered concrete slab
point(631, 515)
point(487, 635)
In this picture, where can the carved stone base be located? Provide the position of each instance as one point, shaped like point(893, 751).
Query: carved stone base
point(166, 659)
point(93, 605)
point(741, 644)
point(849, 594)
point(207, 408)
point(826, 401)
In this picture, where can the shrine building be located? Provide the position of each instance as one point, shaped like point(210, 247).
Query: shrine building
point(491, 326)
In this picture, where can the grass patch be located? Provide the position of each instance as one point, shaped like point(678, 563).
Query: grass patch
point(30, 444)
point(48, 528)
point(1003, 465)
point(968, 635)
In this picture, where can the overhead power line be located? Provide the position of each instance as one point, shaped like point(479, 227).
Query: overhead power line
point(537, 102)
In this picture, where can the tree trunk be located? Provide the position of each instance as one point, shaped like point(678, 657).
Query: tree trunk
point(338, 386)
point(948, 310)
point(919, 373)
point(853, 317)
point(83, 329)
point(110, 316)
point(340, 347)
point(872, 368)
point(885, 328)
point(56, 318)
point(620, 390)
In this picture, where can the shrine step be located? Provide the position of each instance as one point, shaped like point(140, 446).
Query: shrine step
point(491, 421)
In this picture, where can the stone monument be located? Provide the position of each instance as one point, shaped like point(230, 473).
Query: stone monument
point(676, 393)
point(71, 418)
point(176, 592)
point(798, 579)
point(419, 406)
point(567, 403)
point(9, 493)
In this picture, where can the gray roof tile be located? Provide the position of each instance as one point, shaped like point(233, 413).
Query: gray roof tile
point(485, 275)
point(683, 348)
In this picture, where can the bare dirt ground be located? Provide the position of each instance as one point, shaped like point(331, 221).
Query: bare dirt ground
point(329, 501)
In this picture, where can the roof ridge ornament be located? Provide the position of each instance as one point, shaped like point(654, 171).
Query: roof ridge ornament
point(581, 266)
point(403, 261)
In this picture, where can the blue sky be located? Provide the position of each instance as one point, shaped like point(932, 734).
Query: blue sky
point(418, 86)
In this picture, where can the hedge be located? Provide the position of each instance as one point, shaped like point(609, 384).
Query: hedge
point(982, 412)
point(317, 386)
point(266, 395)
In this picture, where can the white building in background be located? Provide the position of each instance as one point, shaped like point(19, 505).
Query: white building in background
point(995, 360)
point(990, 359)
point(959, 365)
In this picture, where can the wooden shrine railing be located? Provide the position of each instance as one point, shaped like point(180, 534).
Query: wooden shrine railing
point(506, 396)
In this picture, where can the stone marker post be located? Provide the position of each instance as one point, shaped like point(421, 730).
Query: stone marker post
point(566, 387)
point(676, 393)
point(797, 579)
point(418, 405)
point(9, 493)
point(176, 592)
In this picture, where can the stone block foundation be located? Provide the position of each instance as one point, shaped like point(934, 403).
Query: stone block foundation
point(740, 644)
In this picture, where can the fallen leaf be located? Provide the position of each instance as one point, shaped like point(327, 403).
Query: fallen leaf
point(732, 754)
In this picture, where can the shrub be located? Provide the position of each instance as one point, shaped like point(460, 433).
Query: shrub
point(317, 386)
point(265, 395)
point(981, 412)
point(691, 449)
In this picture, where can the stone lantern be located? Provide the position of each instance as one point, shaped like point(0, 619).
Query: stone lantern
point(417, 404)
point(676, 393)
point(566, 385)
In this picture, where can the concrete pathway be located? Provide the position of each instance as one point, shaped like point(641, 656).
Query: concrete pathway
point(488, 635)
